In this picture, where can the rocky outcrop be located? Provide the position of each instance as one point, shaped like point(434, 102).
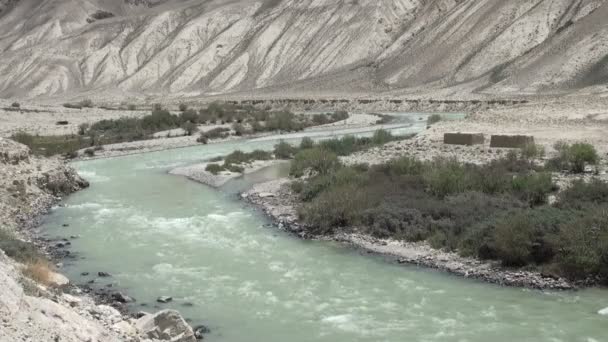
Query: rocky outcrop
point(166, 325)
point(29, 311)
point(61, 182)
point(30, 185)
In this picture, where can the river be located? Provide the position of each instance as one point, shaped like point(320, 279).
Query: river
point(159, 234)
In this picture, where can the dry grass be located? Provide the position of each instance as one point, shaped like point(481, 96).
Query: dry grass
point(40, 271)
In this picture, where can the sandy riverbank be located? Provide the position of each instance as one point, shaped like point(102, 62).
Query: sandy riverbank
point(198, 173)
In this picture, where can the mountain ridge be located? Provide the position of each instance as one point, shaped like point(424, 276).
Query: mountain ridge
point(196, 48)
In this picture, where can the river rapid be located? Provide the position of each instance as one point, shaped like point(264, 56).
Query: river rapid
point(227, 267)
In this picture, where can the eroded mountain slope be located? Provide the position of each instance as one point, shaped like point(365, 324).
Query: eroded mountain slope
point(182, 47)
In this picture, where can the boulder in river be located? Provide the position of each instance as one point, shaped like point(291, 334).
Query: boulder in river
point(165, 325)
point(122, 298)
point(199, 331)
point(164, 299)
point(103, 274)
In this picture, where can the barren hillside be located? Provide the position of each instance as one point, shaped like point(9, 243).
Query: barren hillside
point(204, 47)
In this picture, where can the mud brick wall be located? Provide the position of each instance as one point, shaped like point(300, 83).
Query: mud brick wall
point(463, 138)
point(511, 141)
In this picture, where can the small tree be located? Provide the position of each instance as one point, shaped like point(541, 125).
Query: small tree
point(573, 157)
point(190, 128)
point(16, 105)
point(283, 150)
point(86, 103)
point(183, 107)
point(435, 118)
point(582, 154)
point(532, 151)
point(306, 143)
point(83, 128)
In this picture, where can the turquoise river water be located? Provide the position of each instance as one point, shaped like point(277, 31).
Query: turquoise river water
point(159, 234)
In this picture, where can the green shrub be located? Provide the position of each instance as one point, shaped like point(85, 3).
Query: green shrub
point(183, 107)
point(17, 249)
point(217, 133)
point(336, 209)
point(72, 105)
point(214, 168)
point(343, 176)
point(236, 157)
point(573, 157)
point(23, 138)
point(581, 194)
point(202, 139)
point(445, 177)
point(100, 15)
point(532, 151)
point(240, 157)
point(284, 150)
point(189, 128)
point(83, 128)
point(533, 188)
point(188, 116)
point(513, 238)
point(382, 137)
point(403, 166)
point(581, 154)
point(234, 168)
point(16, 105)
point(86, 103)
point(583, 245)
point(434, 118)
point(306, 143)
point(90, 152)
point(239, 129)
point(339, 115)
point(342, 147)
point(317, 159)
point(320, 119)
point(260, 155)
point(131, 107)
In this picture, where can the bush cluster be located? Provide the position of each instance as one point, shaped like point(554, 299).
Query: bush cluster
point(497, 211)
point(434, 118)
point(233, 162)
point(573, 157)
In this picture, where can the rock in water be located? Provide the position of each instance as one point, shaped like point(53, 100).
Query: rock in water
point(199, 331)
point(603, 312)
point(166, 325)
point(164, 299)
point(122, 298)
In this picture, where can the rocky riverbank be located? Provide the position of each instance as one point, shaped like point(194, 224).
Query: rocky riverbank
point(276, 200)
point(53, 309)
